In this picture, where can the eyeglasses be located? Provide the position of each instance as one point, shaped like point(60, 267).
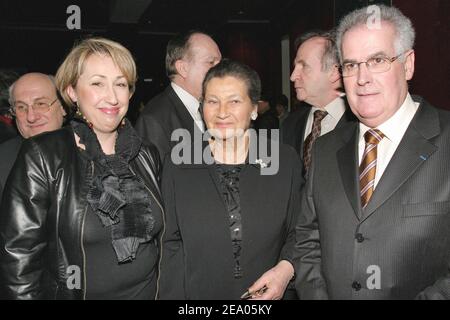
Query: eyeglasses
point(20, 109)
point(374, 65)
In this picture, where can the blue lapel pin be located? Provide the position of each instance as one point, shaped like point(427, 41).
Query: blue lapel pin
point(423, 157)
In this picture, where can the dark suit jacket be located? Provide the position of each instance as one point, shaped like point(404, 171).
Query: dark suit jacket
point(197, 255)
point(268, 120)
point(402, 238)
point(160, 117)
point(293, 128)
point(6, 132)
point(8, 152)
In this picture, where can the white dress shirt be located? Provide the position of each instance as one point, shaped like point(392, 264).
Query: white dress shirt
point(335, 109)
point(191, 104)
point(393, 129)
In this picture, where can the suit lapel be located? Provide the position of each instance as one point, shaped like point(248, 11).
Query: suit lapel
point(347, 117)
point(299, 131)
point(347, 158)
point(300, 126)
point(414, 149)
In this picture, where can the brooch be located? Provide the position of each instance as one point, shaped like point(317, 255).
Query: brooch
point(261, 163)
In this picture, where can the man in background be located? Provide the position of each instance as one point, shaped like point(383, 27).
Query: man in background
point(189, 56)
point(317, 81)
point(281, 106)
point(36, 109)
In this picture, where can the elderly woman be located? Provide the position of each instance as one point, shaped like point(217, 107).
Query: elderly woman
point(227, 223)
point(81, 217)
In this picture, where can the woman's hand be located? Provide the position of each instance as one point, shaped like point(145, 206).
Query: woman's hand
point(272, 284)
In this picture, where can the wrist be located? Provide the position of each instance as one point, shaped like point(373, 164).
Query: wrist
point(287, 269)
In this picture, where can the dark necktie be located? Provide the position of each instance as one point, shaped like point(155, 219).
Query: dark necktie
point(368, 167)
point(315, 133)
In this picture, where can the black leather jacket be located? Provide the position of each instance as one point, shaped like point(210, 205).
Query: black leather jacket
point(42, 216)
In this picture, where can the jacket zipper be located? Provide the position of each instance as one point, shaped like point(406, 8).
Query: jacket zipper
point(82, 239)
point(161, 236)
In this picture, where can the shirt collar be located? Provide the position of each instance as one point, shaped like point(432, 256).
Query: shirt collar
point(335, 108)
point(188, 100)
point(395, 127)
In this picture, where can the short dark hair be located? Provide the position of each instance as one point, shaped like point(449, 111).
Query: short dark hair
point(330, 52)
point(282, 100)
point(177, 48)
point(7, 78)
point(239, 70)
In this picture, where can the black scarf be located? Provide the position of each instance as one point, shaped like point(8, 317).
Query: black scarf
point(116, 195)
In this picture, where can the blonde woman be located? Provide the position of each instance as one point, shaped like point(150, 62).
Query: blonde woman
point(82, 215)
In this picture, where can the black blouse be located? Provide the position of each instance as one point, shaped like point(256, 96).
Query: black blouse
point(229, 182)
point(110, 280)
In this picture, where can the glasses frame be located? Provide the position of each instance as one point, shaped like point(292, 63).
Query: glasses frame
point(13, 112)
point(387, 59)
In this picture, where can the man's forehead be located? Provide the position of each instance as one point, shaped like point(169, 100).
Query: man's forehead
point(34, 89)
point(311, 47)
point(360, 32)
point(361, 40)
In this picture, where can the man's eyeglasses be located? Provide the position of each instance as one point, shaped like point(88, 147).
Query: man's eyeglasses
point(19, 109)
point(374, 65)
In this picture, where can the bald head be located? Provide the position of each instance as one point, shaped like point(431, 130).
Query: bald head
point(36, 89)
point(189, 56)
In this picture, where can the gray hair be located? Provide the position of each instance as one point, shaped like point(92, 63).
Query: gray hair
point(405, 34)
point(330, 53)
point(11, 88)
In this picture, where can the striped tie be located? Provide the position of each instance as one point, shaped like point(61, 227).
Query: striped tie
point(315, 133)
point(368, 166)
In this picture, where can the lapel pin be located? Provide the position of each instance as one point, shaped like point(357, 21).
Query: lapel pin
point(423, 157)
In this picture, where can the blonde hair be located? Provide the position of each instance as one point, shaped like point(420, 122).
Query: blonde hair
point(70, 70)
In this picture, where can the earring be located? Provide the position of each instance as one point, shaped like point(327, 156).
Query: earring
point(122, 123)
point(254, 115)
point(78, 112)
point(80, 115)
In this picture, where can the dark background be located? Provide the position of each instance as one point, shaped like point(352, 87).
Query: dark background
point(34, 36)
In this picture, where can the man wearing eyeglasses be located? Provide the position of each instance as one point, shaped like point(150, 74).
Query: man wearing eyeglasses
point(375, 219)
point(36, 109)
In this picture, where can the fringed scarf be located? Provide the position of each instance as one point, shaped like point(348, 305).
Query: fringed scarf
point(116, 195)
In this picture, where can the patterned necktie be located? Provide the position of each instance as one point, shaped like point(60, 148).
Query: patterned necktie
point(368, 166)
point(315, 133)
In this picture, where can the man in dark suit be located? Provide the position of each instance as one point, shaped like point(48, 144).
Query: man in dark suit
point(317, 82)
point(375, 218)
point(188, 57)
point(267, 118)
point(36, 109)
point(7, 131)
